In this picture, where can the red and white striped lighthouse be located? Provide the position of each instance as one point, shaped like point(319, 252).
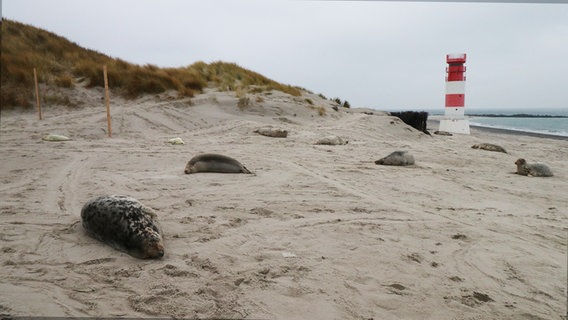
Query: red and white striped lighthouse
point(454, 120)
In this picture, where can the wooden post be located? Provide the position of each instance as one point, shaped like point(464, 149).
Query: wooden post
point(37, 94)
point(107, 101)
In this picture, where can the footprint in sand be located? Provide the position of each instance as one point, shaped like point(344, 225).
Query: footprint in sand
point(459, 236)
point(262, 212)
point(97, 261)
point(475, 299)
point(396, 288)
point(173, 271)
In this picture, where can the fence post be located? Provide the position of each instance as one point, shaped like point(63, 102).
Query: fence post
point(37, 94)
point(107, 101)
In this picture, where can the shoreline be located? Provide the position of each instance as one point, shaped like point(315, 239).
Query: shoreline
point(474, 128)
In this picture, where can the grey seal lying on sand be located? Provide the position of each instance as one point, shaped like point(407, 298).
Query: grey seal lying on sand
point(397, 158)
point(332, 141)
point(55, 137)
point(211, 162)
point(532, 169)
point(125, 224)
point(489, 147)
point(272, 132)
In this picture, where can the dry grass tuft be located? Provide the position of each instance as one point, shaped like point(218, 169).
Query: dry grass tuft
point(65, 81)
point(243, 103)
point(320, 110)
point(57, 99)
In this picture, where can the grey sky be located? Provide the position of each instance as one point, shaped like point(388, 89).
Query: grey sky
point(379, 54)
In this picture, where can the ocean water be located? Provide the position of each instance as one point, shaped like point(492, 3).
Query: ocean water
point(539, 120)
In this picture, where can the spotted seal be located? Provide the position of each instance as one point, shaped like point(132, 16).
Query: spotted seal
point(211, 162)
point(397, 158)
point(489, 147)
point(532, 169)
point(125, 224)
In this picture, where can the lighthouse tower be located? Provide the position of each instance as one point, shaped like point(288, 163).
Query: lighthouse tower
point(454, 120)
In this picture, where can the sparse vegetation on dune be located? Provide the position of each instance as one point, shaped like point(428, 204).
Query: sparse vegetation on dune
point(320, 109)
point(60, 62)
point(24, 48)
point(231, 77)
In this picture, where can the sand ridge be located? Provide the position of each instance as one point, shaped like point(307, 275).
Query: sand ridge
point(317, 232)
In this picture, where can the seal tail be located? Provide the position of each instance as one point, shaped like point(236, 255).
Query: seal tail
point(245, 170)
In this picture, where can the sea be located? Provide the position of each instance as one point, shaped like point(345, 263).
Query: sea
point(535, 120)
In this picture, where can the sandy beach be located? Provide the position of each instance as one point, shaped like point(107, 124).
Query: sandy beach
point(317, 232)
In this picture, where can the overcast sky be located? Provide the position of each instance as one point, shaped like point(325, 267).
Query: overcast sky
point(381, 54)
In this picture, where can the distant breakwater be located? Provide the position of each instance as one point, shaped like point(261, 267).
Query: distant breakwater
point(415, 119)
point(516, 115)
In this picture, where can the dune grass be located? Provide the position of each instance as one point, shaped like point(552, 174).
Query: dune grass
point(62, 63)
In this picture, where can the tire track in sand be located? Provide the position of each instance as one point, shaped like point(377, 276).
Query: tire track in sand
point(60, 196)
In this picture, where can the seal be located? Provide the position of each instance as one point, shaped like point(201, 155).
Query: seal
point(489, 147)
point(397, 158)
point(532, 169)
point(272, 132)
point(55, 137)
point(332, 141)
point(175, 141)
point(125, 224)
point(211, 162)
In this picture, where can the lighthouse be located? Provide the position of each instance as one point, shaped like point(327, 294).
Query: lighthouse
point(454, 120)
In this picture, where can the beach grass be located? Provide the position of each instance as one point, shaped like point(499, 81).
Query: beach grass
point(61, 63)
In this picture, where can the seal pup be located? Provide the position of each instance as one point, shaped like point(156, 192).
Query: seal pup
point(272, 132)
point(175, 141)
point(55, 137)
point(489, 147)
point(125, 224)
point(532, 169)
point(332, 141)
point(211, 162)
point(397, 158)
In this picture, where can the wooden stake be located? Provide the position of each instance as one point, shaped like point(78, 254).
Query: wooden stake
point(37, 94)
point(107, 101)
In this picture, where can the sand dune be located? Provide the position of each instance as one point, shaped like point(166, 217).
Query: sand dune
point(318, 232)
